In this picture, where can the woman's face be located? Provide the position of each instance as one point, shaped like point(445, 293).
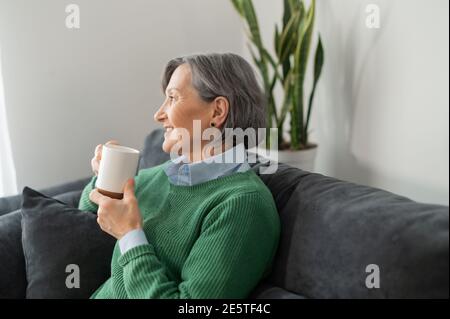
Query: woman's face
point(181, 107)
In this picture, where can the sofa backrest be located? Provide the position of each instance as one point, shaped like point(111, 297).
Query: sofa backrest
point(152, 153)
point(336, 236)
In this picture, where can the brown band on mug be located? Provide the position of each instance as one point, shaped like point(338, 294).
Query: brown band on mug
point(110, 194)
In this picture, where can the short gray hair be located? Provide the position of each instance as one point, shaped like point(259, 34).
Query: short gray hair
point(230, 76)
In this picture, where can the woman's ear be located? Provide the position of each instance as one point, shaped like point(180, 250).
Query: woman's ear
point(221, 107)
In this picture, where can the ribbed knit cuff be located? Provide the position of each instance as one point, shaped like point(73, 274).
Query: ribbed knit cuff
point(134, 253)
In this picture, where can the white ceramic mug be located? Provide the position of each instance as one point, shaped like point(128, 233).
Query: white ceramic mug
point(117, 165)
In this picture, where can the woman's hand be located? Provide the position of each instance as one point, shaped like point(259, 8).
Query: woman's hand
point(118, 217)
point(95, 161)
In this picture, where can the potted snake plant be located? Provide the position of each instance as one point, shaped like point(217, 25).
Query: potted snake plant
point(288, 66)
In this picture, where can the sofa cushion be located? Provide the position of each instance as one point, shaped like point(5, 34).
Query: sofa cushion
point(282, 183)
point(334, 231)
point(13, 281)
point(152, 154)
point(56, 235)
point(12, 203)
point(12, 268)
point(267, 291)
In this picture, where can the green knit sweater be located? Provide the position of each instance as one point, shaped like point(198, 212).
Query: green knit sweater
point(216, 239)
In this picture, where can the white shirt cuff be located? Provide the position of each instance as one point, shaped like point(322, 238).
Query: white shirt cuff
point(133, 238)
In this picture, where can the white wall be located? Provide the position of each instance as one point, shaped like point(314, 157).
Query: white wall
point(69, 90)
point(381, 112)
point(382, 107)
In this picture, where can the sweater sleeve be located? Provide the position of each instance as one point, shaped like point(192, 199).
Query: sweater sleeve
point(235, 248)
point(85, 203)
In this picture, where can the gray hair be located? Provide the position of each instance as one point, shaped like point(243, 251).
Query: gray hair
point(230, 76)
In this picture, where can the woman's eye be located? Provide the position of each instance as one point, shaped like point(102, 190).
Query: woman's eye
point(171, 98)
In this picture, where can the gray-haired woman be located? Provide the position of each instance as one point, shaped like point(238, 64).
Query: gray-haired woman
point(194, 226)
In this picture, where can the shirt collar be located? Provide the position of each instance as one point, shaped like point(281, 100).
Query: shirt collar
point(182, 173)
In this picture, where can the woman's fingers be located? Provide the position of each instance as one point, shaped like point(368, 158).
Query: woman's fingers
point(111, 142)
point(99, 147)
point(98, 151)
point(95, 162)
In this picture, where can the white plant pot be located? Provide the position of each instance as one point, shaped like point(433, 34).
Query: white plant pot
point(304, 159)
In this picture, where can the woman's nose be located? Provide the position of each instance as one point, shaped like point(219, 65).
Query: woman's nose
point(160, 114)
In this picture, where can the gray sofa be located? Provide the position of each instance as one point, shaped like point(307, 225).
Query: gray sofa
point(333, 235)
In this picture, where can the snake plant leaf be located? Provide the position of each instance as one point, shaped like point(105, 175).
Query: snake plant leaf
point(286, 67)
point(318, 64)
point(273, 64)
point(252, 20)
point(239, 7)
point(318, 61)
point(305, 32)
point(301, 61)
point(287, 22)
point(286, 17)
point(288, 39)
point(295, 120)
point(287, 12)
point(254, 57)
point(276, 39)
point(276, 75)
point(287, 88)
point(301, 8)
point(295, 5)
point(255, 36)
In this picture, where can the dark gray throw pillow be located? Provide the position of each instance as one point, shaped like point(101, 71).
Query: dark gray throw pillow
point(60, 242)
point(13, 281)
